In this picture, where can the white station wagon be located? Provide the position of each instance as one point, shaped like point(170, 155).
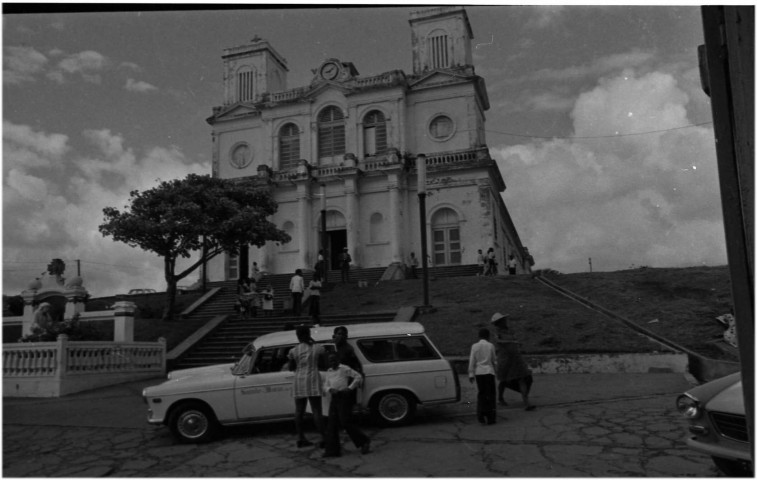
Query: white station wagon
point(402, 368)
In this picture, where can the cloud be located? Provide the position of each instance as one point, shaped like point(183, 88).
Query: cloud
point(22, 64)
point(89, 64)
point(544, 16)
point(638, 200)
point(139, 86)
point(53, 212)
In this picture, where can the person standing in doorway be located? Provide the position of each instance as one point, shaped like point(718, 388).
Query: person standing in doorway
point(297, 287)
point(481, 369)
point(305, 360)
point(413, 262)
point(315, 298)
point(344, 264)
point(512, 264)
point(319, 265)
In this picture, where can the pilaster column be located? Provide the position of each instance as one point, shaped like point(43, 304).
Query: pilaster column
point(352, 208)
point(395, 219)
point(303, 232)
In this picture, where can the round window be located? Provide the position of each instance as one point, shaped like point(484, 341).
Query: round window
point(441, 127)
point(241, 156)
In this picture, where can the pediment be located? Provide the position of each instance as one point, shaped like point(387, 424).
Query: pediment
point(236, 110)
point(438, 77)
point(325, 86)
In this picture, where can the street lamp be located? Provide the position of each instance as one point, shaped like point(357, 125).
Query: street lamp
point(420, 165)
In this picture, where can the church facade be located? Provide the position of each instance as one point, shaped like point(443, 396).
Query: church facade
point(340, 155)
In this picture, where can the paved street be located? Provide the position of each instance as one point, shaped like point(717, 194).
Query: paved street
point(608, 425)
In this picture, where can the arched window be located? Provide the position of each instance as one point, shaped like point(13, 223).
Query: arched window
point(289, 146)
point(438, 46)
point(374, 133)
point(245, 84)
point(445, 231)
point(331, 132)
point(376, 233)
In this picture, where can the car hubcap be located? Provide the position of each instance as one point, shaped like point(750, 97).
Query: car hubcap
point(393, 407)
point(193, 424)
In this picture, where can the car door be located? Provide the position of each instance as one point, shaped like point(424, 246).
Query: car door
point(265, 392)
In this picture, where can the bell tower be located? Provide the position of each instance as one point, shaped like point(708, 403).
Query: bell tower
point(441, 38)
point(251, 70)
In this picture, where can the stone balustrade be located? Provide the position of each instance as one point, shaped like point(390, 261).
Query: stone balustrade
point(53, 369)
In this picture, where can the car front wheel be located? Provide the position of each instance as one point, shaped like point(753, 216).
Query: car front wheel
point(393, 408)
point(733, 468)
point(193, 423)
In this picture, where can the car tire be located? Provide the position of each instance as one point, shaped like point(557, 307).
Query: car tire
point(193, 422)
point(393, 408)
point(733, 468)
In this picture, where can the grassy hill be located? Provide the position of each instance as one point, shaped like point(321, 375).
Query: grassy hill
point(679, 304)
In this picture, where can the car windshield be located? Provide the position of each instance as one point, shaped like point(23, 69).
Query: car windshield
point(242, 367)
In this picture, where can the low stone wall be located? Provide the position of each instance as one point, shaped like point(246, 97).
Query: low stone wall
point(598, 363)
point(55, 369)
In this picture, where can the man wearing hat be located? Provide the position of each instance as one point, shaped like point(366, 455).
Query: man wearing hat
point(344, 263)
point(512, 371)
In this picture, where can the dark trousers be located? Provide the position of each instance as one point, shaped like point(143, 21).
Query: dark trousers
point(340, 416)
point(315, 307)
point(486, 408)
point(296, 303)
point(346, 274)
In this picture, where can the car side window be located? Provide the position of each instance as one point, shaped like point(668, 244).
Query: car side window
point(272, 359)
point(396, 349)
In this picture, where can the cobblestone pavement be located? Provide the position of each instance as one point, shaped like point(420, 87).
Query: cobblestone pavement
point(635, 432)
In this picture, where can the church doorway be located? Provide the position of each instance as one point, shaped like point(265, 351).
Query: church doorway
point(336, 237)
point(445, 232)
point(337, 241)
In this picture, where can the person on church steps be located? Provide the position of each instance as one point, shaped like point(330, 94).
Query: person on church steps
point(344, 264)
point(297, 287)
point(481, 263)
point(481, 368)
point(413, 262)
point(315, 298)
point(512, 264)
point(512, 371)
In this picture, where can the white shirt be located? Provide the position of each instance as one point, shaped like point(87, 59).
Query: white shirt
point(483, 360)
point(297, 284)
point(339, 378)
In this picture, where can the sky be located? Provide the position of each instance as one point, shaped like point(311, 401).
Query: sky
point(598, 123)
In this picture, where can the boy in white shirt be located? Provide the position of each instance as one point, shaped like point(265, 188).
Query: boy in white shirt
point(340, 381)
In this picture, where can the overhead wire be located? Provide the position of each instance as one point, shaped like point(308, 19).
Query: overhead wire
point(598, 136)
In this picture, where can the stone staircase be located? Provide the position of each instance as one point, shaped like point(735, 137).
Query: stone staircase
point(225, 343)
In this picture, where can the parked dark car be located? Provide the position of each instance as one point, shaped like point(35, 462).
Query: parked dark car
point(717, 424)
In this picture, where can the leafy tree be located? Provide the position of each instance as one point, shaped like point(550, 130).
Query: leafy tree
point(196, 215)
point(14, 304)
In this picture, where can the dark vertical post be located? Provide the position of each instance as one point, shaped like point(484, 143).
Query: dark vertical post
point(727, 73)
point(420, 165)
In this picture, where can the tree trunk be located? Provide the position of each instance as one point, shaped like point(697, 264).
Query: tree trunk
point(170, 308)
